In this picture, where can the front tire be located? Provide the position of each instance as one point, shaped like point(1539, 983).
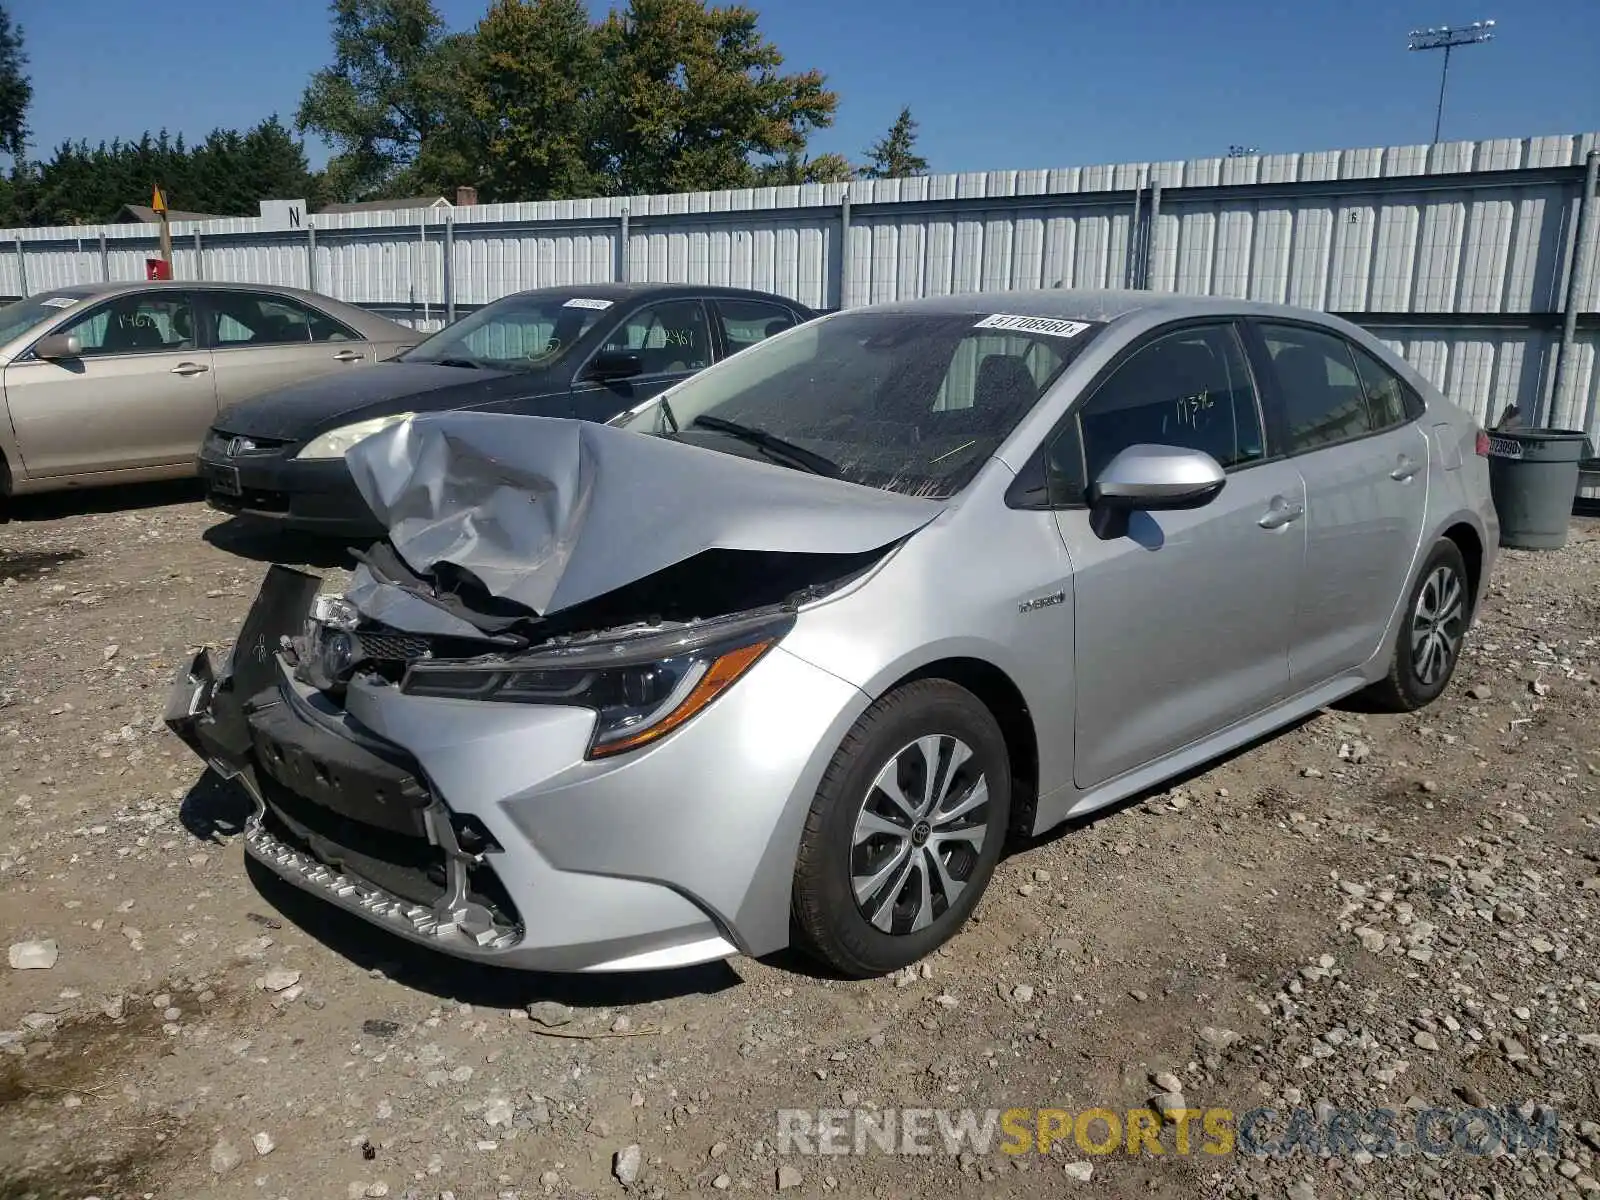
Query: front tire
point(905, 830)
point(1427, 646)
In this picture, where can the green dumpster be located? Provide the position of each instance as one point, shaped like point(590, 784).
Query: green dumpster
point(1533, 476)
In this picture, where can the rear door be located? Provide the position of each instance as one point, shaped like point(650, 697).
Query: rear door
point(1365, 463)
point(141, 394)
point(263, 341)
point(741, 323)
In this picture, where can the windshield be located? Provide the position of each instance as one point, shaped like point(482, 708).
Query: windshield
point(518, 333)
point(19, 317)
point(907, 403)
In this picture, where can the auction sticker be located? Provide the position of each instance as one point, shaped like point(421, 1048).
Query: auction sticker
point(1054, 326)
point(59, 302)
point(581, 302)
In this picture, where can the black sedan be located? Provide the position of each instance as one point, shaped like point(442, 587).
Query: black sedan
point(580, 352)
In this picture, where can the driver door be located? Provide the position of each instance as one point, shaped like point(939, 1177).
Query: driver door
point(1183, 624)
point(672, 339)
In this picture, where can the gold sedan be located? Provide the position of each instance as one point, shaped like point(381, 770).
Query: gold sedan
point(117, 383)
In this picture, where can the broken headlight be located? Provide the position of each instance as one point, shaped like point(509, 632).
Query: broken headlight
point(641, 688)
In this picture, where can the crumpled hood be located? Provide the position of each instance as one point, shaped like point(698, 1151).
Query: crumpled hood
point(548, 512)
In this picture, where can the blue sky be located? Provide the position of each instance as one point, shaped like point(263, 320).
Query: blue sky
point(1007, 83)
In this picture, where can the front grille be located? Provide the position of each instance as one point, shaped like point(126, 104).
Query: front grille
point(270, 838)
point(221, 443)
point(392, 646)
point(410, 868)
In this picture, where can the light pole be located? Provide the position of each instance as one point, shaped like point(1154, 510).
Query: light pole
point(1445, 38)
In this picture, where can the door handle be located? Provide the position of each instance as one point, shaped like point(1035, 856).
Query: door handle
point(1280, 513)
point(190, 368)
point(348, 356)
point(1404, 469)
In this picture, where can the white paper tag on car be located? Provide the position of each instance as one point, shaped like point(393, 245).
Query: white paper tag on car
point(59, 302)
point(1055, 326)
point(581, 302)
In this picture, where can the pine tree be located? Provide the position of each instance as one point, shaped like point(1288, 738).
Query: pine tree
point(895, 156)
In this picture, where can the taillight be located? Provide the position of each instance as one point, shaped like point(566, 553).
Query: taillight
point(1483, 444)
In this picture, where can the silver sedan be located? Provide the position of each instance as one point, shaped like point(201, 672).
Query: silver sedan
point(790, 649)
point(116, 383)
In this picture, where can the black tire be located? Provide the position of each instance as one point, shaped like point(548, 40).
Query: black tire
point(1408, 686)
point(830, 923)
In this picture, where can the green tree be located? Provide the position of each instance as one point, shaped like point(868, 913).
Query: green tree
point(533, 101)
point(690, 94)
point(227, 174)
point(795, 167)
point(895, 155)
point(392, 103)
point(16, 92)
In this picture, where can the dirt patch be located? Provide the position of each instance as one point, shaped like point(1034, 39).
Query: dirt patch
point(1445, 866)
point(66, 1127)
point(24, 565)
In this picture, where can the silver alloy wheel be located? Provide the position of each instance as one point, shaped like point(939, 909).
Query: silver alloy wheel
point(1437, 624)
point(918, 837)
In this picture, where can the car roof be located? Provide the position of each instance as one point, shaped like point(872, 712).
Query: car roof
point(656, 291)
point(121, 288)
point(369, 324)
point(1101, 305)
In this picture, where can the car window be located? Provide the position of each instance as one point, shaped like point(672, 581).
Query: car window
point(979, 363)
point(1191, 388)
point(18, 317)
point(668, 337)
point(521, 332)
point(518, 335)
point(746, 322)
point(243, 319)
point(136, 324)
point(909, 402)
point(1390, 401)
point(1322, 398)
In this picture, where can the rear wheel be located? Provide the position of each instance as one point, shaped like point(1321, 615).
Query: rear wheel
point(905, 830)
point(1428, 644)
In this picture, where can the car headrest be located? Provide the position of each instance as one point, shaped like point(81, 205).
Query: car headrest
point(1004, 381)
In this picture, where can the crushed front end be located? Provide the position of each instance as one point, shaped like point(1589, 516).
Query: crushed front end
point(563, 793)
point(338, 810)
point(551, 722)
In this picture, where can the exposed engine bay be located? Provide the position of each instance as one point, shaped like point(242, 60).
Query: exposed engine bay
point(340, 640)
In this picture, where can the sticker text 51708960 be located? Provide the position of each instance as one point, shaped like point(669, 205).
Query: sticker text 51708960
point(1055, 326)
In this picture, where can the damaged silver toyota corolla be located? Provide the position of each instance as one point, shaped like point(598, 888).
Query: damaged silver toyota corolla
point(785, 653)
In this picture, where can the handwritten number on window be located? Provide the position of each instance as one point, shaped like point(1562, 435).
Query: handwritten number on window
point(1189, 408)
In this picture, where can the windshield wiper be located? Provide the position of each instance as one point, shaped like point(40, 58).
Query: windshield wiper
point(810, 460)
point(452, 362)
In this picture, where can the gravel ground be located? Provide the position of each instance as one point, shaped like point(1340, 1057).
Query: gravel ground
point(1366, 911)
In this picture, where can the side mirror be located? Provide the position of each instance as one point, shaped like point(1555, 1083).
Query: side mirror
point(1147, 478)
point(58, 345)
point(615, 364)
